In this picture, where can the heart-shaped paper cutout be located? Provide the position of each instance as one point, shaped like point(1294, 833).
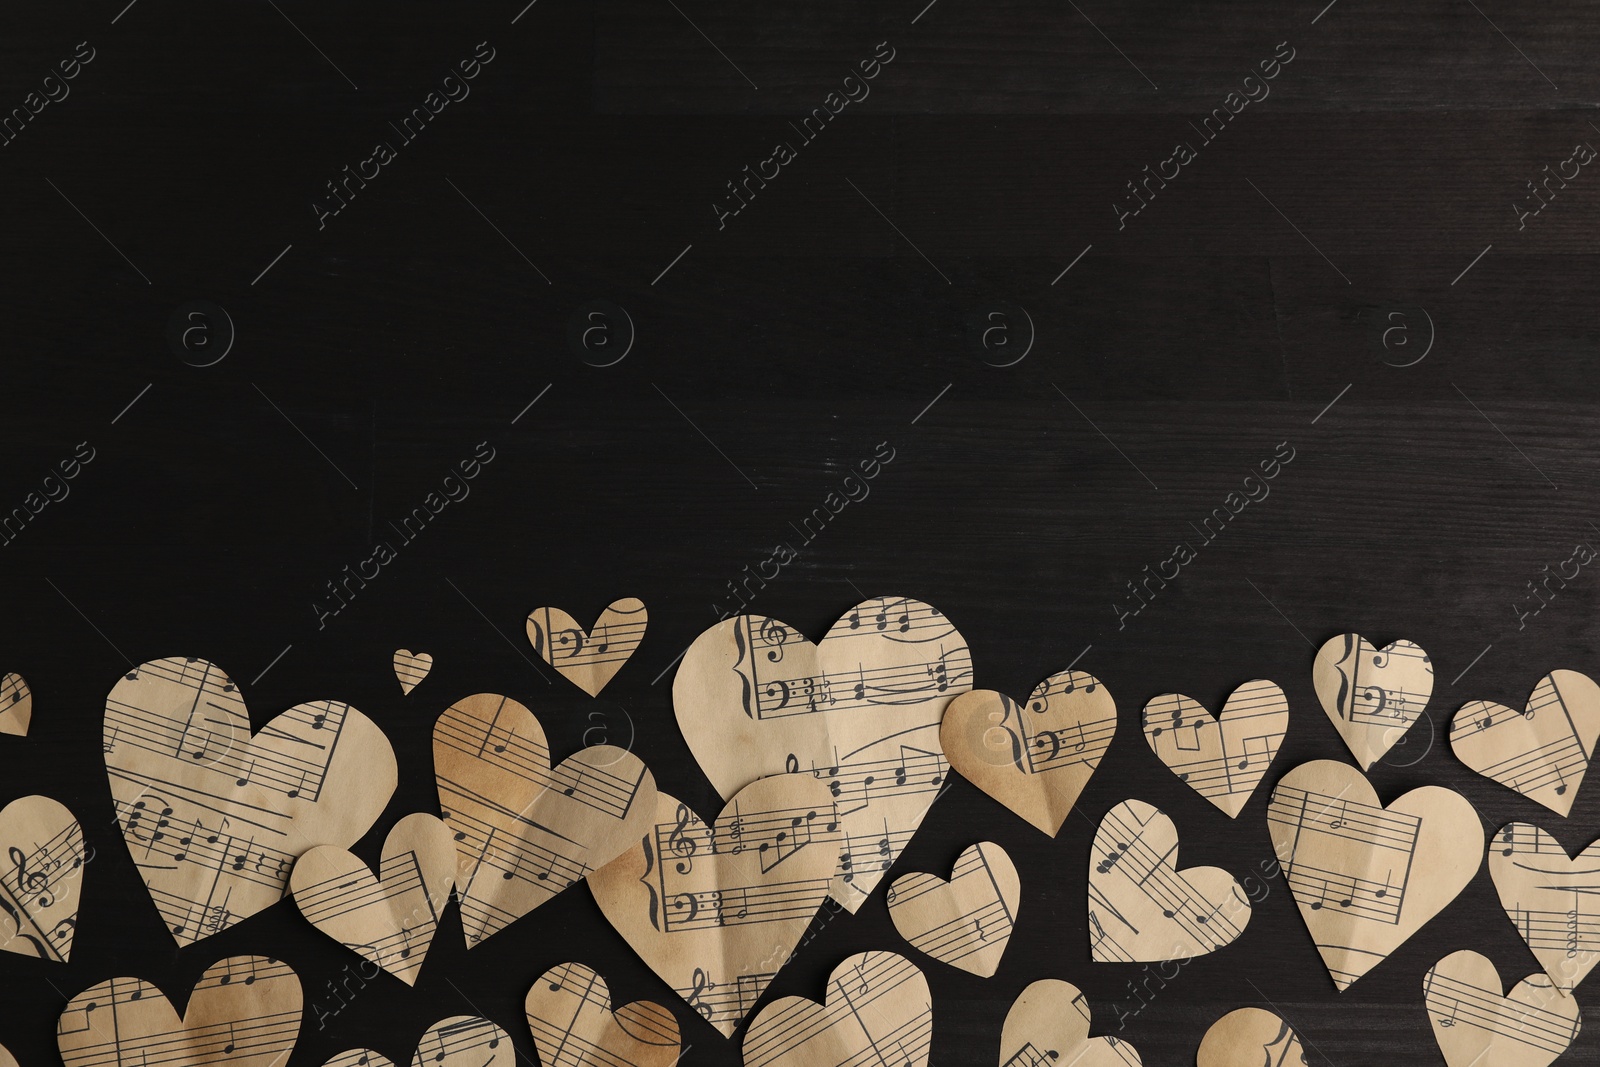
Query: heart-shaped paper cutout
point(1541, 752)
point(215, 818)
point(459, 1041)
point(1222, 758)
point(878, 1011)
point(589, 660)
point(16, 705)
point(244, 1012)
point(41, 878)
point(1049, 1025)
point(1143, 909)
point(569, 1011)
point(410, 668)
point(1550, 897)
point(965, 922)
point(525, 831)
point(391, 918)
point(1367, 876)
point(1250, 1037)
point(1034, 758)
point(6, 1058)
point(715, 911)
point(860, 711)
point(1476, 1026)
point(1372, 695)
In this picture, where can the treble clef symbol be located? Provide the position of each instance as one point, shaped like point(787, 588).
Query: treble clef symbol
point(682, 845)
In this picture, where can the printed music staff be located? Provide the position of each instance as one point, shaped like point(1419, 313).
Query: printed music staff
point(966, 921)
point(1476, 1026)
point(1553, 899)
point(569, 1010)
point(589, 660)
point(877, 1011)
point(41, 878)
point(1372, 695)
point(1542, 751)
point(16, 706)
point(1222, 758)
point(1251, 1037)
point(459, 1041)
point(410, 668)
point(1048, 1026)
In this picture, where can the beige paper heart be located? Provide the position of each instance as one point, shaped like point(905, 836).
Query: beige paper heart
point(1541, 752)
point(411, 668)
point(215, 818)
point(390, 919)
point(1476, 1026)
point(6, 1058)
point(1222, 758)
point(244, 1012)
point(16, 705)
point(1250, 1037)
point(1367, 876)
point(41, 878)
point(1048, 1025)
point(878, 1011)
point(589, 660)
point(965, 922)
point(525, 831)
point(1372, 695)
point(1141, 907)
point(569, 1011)
point(1034, 758)
point(1550, 897)
point(716, 911)
point(860, 711)
point(459, 1041)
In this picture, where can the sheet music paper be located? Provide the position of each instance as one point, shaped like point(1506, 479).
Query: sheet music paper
point(1476, 1026)
point(1251, 1037)
point(215, 818)
point(6, 1058)
point(569, 1011)
point(390, 919)
point(1048, 1026)
point(1141, 907)
point(459, 1041)
point(16, 707)
point(589, 659)
point(41, 878)
point(1542, 751)
point(877, 1011)
point(966, 921)
point(244, 1012)
point(524, 831)
point(1551, 898)
point(410, 668)
point(1223, 758)
point(1372, 695)
point(860, 711)
point(1036, 757)
point(1366, 876)
point(716, 910)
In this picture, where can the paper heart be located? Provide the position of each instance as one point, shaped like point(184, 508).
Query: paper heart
point(860, 711)
point(1372, 695)
point(1141, 907)
point(390, 919)
point(411, 668)
point(1250, 1037)
point(215, 818)
point(1049, 1024)
point(525, 831)
point(1033, 758)
point(6, 1058)
point(41, 878)
point(715, 911)
point(459, 1041)
point(569, 1011)
point(1476, 1026)
point(965, 922)
point(16, 705)
point(877, 1011)
point(1222, 758)
point(244, 1011)
point(589, 660)
point(1367, 876)
point(1544, 893)
point(1541, 752)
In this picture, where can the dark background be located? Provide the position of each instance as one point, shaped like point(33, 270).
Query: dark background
point(793, 342)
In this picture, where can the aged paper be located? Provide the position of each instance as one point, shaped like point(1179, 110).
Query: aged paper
point(40, 878)
point(1366, 876)
point(1476, 1026)
point(1553, 899)
point(878, 1011)
point(1542, 751)
point(1222, 758)
point(1372, 695)
point(1035, 758)
point(860, 711)
point(525, 831)
point(16, 707)
point(459, 1041)
point(965, 922)
point(1048, 1026)
point(6, 1058)
point(214, 817)
point(589, 660)
point(1251, 1037)
point(411, 668)
point(716, 910)
point(569, 1011)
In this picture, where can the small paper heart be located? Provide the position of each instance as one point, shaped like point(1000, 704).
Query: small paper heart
point(1543, 892)
point(1543, 751)
point(1250, 1037)
point(569, 1011)
point(42, 878)
point(1222, 758)
point(411, 668)
point(589, 660)
point(1476, 1026)
point(1372, 695)
point(1049, 1025)
point(966, 921)
point(16, 705)
point(797, 1032)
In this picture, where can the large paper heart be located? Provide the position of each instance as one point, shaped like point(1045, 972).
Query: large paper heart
point(41, 878)
point(1550, 898)
point(1250, 1037)
point(877, 1011)
point(215, 819)
point(1366, 876)
point(1034, 758)
point(860, 711)
point(569, 1011)
point(1223, 758)
point(244, 1012)
point(1049, 1026)
point(524, 831)
point(1541, 752)
point(459, 1041)
point(1372, 695)
point(965, 922)
point(1141, 907)
point(410, 668)
point(590, 659)
point(715, 911)
point(1476, 1026)
point(16, 705)
point(390, 919)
